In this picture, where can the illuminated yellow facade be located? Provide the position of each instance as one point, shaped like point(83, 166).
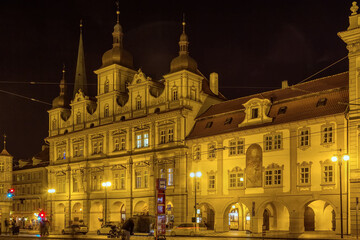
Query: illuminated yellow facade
point(130, 134)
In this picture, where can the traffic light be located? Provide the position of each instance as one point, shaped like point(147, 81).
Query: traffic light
point(10, 193)
point(42, 214)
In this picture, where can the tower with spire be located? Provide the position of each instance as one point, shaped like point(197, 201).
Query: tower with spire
point(80, 75)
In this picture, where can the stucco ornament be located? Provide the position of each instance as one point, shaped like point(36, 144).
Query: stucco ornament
point(254, 166)
point(354, 8)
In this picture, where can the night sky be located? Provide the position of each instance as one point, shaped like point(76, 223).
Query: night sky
point(253, 47)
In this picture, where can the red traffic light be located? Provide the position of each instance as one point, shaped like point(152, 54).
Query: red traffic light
point(11, 190)
point(42, 214)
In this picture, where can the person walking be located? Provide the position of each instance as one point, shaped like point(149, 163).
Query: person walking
point(128, 228)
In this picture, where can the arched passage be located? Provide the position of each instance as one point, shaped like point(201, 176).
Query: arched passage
point(59, 217)
point(319, 215)
point(207, 215)
point(141, 208)
point(96, 213)
point(237, 217)
point(77, 213)
point(117, 211)
point(275, 216)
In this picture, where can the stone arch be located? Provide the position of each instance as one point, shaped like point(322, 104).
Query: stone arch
point(141, 208)
point(236, 216)
point(207, 215)
point(117, 211)
point(96, 214)
point(324, 213)
point(278, 215)
point(59, 217)
point(77, 212)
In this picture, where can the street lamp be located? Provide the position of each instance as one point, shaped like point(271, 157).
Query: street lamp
point(336, 159)
point(106, 185)
point(51, 191)
point(195, 175)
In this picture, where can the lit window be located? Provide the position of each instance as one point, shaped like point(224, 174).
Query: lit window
point(170, 177)
point(142, 139)
point(273, 141)
point(236, 147)
point(327, 134)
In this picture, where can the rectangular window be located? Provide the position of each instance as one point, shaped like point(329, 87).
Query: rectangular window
point(254, 113)
point(119, 143)
point(60, 184)
point(304, 138)
point(273, 177)
point(236, 147)
point(327, 134)
point(138, 104)
point(211, 151)
point(122, 180)
point(96, 181)
point(328, 174)
point(197, 153)
point(166, 135)
point(138, 179)
point(146, 178)
point(236, 179)
point(97, 145)
point(304, 175)
point(142, 139)
point(116, 181)
point(61, 152)
point(273, 141)
point(211, 182)
point(78, 149)
point(170, 177)
point(1, 166)
point(75, 184)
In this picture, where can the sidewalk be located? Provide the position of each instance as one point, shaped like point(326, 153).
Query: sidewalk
point(278, 235)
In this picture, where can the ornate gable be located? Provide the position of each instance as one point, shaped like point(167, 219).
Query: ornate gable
point(256, 112)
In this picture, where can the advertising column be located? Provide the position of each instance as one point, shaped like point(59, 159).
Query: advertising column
point(160, 209)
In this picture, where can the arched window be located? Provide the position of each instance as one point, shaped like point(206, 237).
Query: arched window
point(106, 86)
point(78, 118)
point(174, 94)
point(106, 110)
point(54, 124)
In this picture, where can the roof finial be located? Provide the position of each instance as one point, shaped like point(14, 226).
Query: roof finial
point(63, 71)
point(117, 11)
point(354, 8)
point(81, 25)
point(4, 141)
point(183, 23)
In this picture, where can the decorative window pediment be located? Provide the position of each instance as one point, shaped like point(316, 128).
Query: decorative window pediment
point(256, 112)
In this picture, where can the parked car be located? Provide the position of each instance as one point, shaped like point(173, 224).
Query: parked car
point(75, 229)
point(105, 229)
point(188, 229)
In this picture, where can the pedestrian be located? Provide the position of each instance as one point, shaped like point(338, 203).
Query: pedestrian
point(6, 222)
point(47, 225)
point(128, 228)
point(42, 228)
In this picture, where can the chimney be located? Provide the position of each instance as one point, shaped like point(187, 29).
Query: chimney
point(284, 84)
point(214, 83)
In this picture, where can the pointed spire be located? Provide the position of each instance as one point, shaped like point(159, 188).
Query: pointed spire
point(80, 76)
point(183, 43)
point(4, 151)
point(117, 34)
point(62, 82)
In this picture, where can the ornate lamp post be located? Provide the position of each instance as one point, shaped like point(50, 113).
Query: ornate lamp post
point(195, 175)
point(51, 192)
point(106, 185)
point(340, 158)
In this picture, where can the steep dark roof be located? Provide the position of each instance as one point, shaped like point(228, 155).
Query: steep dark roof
point(300, 101)
point(41, 159)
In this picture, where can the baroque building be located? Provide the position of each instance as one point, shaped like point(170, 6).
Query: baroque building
point(132, 132)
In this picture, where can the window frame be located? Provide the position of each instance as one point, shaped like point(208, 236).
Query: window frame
point(273, 141)
point(143, 141)
point(236, 147)
point(325, 132)
point(304, 140)
point(272, 177)
point(211, 151)
point(236, 178)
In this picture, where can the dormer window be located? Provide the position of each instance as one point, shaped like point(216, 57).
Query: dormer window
point(282, 110)
point(254, 113)
point(321, 102)
point(228, 121)
point(78, 118)
point(208, 124)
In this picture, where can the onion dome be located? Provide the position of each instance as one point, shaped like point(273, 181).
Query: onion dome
point(183, 61)
point(117, 55)
point(60, 101)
